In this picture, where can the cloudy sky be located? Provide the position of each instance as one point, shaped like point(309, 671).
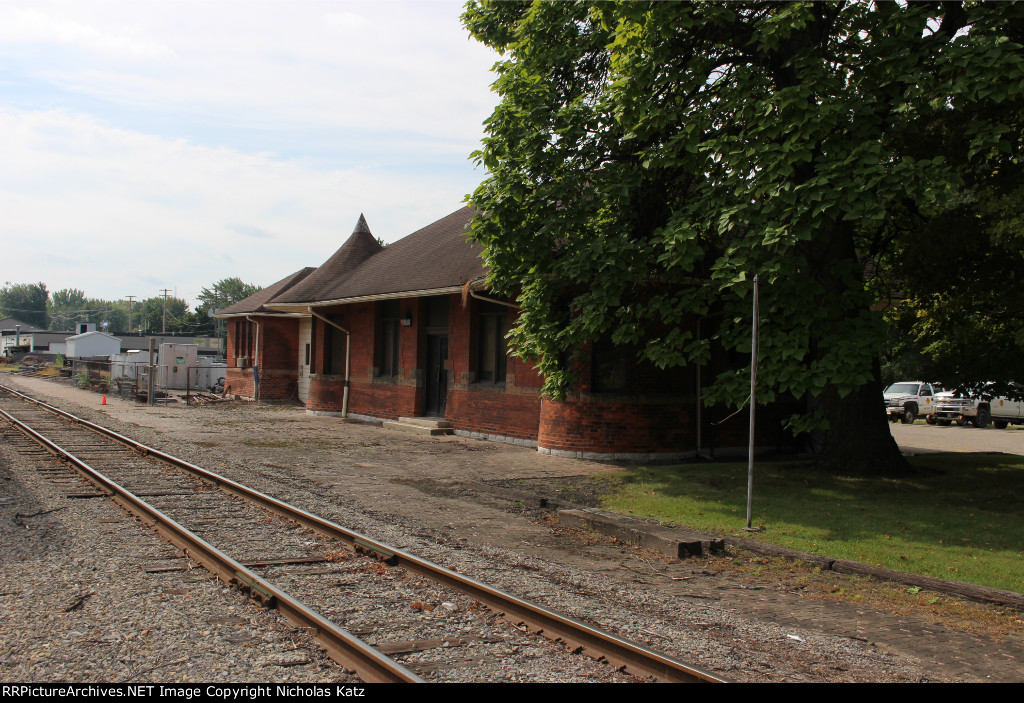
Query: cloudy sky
point(151, 145)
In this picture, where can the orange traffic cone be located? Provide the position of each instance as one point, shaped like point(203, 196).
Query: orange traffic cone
point(104, 400)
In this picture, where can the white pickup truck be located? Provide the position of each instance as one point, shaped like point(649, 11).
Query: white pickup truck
point(907, 400)
point(978, 411)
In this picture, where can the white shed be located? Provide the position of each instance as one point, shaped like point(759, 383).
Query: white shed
point(92, 344)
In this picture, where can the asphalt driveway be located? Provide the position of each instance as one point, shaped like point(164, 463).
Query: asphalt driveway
point(922, 438)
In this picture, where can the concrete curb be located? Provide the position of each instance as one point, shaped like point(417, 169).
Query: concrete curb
point(682, 543)
point(672, 542)
point(845, 566)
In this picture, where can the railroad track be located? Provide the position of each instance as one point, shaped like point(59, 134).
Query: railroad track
point(382, 612)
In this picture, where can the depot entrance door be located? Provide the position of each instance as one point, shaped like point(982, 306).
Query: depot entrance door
point(437, 375)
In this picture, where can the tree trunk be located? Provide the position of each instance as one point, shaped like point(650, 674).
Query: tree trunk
point(859, 442)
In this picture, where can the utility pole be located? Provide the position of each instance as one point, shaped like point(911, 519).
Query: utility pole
point(218, 329)
point(130, 299)
point(165, 291)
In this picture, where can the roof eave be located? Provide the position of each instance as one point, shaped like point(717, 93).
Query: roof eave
point(295, 307)
point(261, 313)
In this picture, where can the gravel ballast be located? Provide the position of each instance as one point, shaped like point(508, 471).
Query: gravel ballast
point(183, 626)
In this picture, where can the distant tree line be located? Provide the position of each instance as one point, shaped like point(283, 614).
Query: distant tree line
point(60, 311)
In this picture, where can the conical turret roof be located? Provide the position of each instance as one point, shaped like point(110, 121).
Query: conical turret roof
point(359, 247)
point(437, 256)
point(255, 302)
point(361, 225)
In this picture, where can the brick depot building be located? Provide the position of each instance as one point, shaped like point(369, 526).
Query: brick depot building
point(408, 331)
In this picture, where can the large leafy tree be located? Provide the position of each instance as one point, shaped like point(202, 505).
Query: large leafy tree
point(956, 316)
point(220, 295)
point(223, 293)
point(25, 301)
point(112, 312)
point(647, 159)
point(70, 305)
point(65, 307)
point(153, 312)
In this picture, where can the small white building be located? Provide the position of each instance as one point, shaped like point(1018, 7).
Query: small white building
point(92, 344)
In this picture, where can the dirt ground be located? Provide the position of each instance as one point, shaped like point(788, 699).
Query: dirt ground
point(442, 486)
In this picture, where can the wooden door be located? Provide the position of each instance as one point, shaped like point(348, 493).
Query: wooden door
point(437, 375)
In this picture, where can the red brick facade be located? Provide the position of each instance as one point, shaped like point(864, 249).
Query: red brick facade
point(423, 340)
point(277, 355)
point(646, 420)
point(510, 409)
point(648, 425)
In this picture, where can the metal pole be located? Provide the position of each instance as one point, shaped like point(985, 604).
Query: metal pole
point(348, 356)
point(753, 406)
point(163, 329)
point(130, 299)
point(151, 381)
point(255, 361)
point(699, 403)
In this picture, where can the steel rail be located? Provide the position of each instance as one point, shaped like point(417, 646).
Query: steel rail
point(371, 665)
point(574, 634)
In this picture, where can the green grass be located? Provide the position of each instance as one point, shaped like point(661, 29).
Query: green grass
point(961, 517)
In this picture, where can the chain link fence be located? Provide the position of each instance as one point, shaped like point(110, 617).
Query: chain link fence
point(134, 380)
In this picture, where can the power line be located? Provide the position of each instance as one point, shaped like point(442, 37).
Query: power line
point(9, 310)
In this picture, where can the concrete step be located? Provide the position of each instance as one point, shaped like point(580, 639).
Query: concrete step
point(422, 427)
point(435, 422)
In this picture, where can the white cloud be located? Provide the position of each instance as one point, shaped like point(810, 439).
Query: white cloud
point(378, 65)
point(107, 210)
point(33, 26)
point(346, 22)
point(184, 142)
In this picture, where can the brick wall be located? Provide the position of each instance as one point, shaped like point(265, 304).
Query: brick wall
point(597, 426)
point(377, 399)
point(653, 417)
point(460, 345)
point(238, 382)
point(279, 342)
point(511, 409)
point(325, 394)
point(369, 394)
point(652, 425)
point(277, 355)
point(231, 349)
point(643, 421)
point(494, 411)
point(385, 400)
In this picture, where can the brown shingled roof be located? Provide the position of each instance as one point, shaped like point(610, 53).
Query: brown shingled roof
point(437, 256)
point(255, 302)
point(360, 246)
